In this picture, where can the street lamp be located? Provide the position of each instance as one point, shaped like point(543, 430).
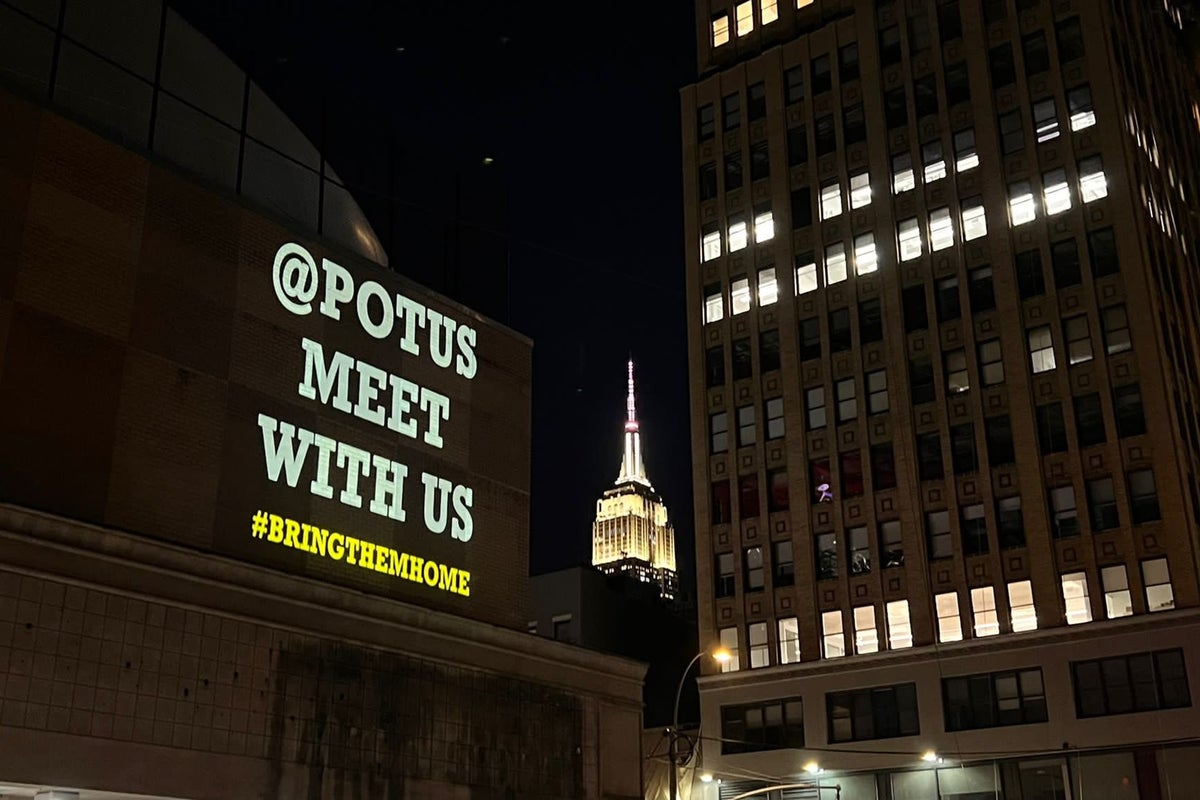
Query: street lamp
point(720, 655)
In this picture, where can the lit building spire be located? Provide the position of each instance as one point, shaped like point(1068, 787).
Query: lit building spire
point(632, 468)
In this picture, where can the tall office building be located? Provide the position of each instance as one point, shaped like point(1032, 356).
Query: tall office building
point(942, 293)
point(631, 533)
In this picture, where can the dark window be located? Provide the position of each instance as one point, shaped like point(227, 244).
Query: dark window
point(949, 20)
point(725, 575)
point(1102, 504)
point(714, 362)
point(839, 330)
point(722, 509)
point(810, 338)
point(822, 75)
point(733, 170)
point(889, 46)
point(925, 95)
point(743, 364)
point(1143, 497)
point(1102, 246)
point(920, 381)
point(994, 10)
point(870, 322)
point(748, 496)
point(708, 181)
point(793, 85)
point(916, 315)
point(756, 101)
point(731, 111)
point(797, 145)
point(1064, 514)
point(854, 125)
point(883, 466)
point(752, 563)
point(1011, 522)
point(1004, 70)
point(891, 544)
point(814, 403)
point(949, 306)
point(1012, 132)
point(937, 532)
point(768, 350)
point(896, 108)
point(1052, 431)
point(760, 161)
point(1116, 329)
point(826, 136)
point(958, 85)
point(777, 492)
point(881, 712)
point(825, 553)
point(1126, 684)
point(962, 446)
point(1037, 54)
point(706, 122)
point(1079, 339)
point(858, 550)
point(994, 700)
point(763, 726)
point(852, 473)
point(1070, 40)
point(783, 567)
point(1127, 408)
point(848, 62)
point(979, 287)
point(718, 426)
point(991, 362)
point(929, 457)
point(973, 523)
point(1064, 258)
point(801, 208)
point(1089, 420)
point(919, 39)
point(1031, 281)
point(999, 441)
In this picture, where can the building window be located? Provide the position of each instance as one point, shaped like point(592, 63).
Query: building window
point(847, 408)
point(822, 74)
point(739, 234)
point(748, 495)
point(929, 457)
point(835, 263)
point(768, 287)
point(743, 366)
point(708, 181)
point(714, 366)
point(920, 381)
point(720, 30)
point(768, 350)
point(1079, 340)
point(974, 530)
point(793, 85)
point(998, 432)
point(937, 531)
point(903, 177)
point(731, 110)
point(899, 625)
point(859, 550)
point(889, 46)
point(1130, 683)
point(814, 400)
point(1127, 408)
point(916, 316)
point(866, 635)
point(839, 330)
point(769, 11)
point(941, 229)
point(826, 135)
point(706, 122)
point(764, 227)
point(991, 362)
point(797, 145)
point(752, 559)
point(1012, 133)
point(806, 274)
point(760, 649)
point(949, 20)
point(1070, 40)
point(870, 322)
point(1102, 245)
point(852, 473)
point(877, 393)
point(1052, 431)
point(1041, 349)
point(714, 303)
point(1056, 192)
point(854, 124)
point(1079, 106)
point(1089, 420)
point(1002, 66)
point(1037, 54)
point(777, 491)
point(725, 580)
point(833, 640)
point(883, 466)
point(718, 426)
point(949, 306)
point(760, 161)
point(955, 367)
point(1116, 330)
point(1020, 606)
point(919, 39)
point(866, 260)
point(848, 62)
point(722, 505)
point(949, 619)
point(925, 95)
point(973, 702)
point(1031, 281)
point(895, 108)
point(909, 234)
point(958, 85)
point(980, 289)
point(974, 219)
point(789, 640)
point(1075, 598)
point(746, 430)
point(1045, 120)
point(860, 190)
point(1143, 497)
point(831, 200)
point(1118, 601)
point(739, 296)
point(1156, 577)
point(733, 170)
point(1102, 504)
point(1011, 522)
point(882, 712)
point(933, 163)
point(729, 641)
point(801, 206)
point(774, 416)
point(826, 553)
point(710, 243)
point(745, 17)
point(1064, 258)
point(784, 568)
point(1093, 185)
point(1064, 515)
point(1022, 207)
point(891, 544)
point(962, 449)
point(983, 609)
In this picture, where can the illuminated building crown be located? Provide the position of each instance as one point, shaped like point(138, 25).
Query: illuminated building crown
point(632, 468)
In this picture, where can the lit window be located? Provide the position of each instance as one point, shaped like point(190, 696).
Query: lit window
point(909, 234)
point(832, 636)
point(740, 296)
point(739, 235)
point(933, 161)
point(983, 607)
point(729, 643)
point(1022, 207)
point(770, 11)
point(1020, 605)
point(1045, 120)
point(710, 245)
point(965, 157)
point(899, 626)
point(941, 229)
point(789, 640)
point(860, 190)
point(1041, 349)
point(1118, 602)
point(1156, 577)
point(974, 220)
point(806, 277)
point(745, 18)
point(1079, 106)
point(1092, 183)
point(1056, 192)
point(803, 3)
point(1079, 340)
point(958, 379)
point(865, 257)
point(720, 30)
point(835, 264)
point(764, 226)
point(903, 178)
point(768, 287)
point(831, 200)
point(714, 304)
point(866, 637)
point(949, 621)
point(1116, 329)
point(1075, 597)
point(760, 653)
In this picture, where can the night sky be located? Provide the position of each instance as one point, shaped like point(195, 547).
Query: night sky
point(578, 107)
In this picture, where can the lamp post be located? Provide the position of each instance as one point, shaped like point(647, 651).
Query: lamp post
point(720, 655)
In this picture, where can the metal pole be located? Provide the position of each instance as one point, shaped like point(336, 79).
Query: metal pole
point(673, 744)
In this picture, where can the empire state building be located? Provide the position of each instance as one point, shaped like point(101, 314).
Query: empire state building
point(632, 534)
